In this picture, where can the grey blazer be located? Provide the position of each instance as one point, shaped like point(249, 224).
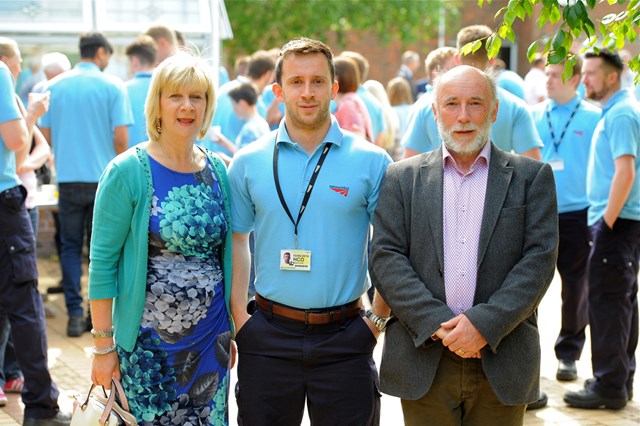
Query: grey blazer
point(516, 262)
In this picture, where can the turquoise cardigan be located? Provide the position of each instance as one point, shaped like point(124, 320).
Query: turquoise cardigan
point(120, 239)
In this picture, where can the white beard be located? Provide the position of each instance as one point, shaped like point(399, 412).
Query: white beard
point(482, 136)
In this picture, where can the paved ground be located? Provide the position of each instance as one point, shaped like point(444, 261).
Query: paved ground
point(70, 362)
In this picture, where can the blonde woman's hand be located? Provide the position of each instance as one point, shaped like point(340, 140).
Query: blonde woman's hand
point(103, 368)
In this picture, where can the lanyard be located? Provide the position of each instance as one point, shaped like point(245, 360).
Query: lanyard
point(556, 143)
point(307, 193)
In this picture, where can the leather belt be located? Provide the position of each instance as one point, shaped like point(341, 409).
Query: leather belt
point(310, 316)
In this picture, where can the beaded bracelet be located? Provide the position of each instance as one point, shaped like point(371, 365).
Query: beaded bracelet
point(100, 334)
point(108, 350)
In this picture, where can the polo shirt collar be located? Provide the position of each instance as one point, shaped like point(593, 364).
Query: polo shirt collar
point(334, 135)
point(143, 74)
point(88, 66)
point(620, 95)
point(569, 105)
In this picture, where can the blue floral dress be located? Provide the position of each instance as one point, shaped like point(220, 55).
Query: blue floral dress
point(178, 371)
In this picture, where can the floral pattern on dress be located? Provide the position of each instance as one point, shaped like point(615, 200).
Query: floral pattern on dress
point(178, 371)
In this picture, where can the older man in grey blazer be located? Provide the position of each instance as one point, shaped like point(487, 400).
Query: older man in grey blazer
point(464, 247)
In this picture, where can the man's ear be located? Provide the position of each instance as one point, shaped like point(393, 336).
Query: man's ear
point(435, 111)
point(277, 91)
point(334, 89)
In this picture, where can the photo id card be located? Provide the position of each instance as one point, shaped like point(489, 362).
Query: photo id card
point(295, 260)
point(557, 164)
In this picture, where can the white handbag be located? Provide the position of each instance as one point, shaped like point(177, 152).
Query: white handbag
point(102, 409)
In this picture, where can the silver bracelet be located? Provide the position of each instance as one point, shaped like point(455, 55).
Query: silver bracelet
point(101, 334)
point(108, 350)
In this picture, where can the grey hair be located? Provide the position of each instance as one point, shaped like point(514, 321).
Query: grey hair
point(490, 75)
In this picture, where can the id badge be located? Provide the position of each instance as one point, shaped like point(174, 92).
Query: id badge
point(295, 260)
point(557, 164)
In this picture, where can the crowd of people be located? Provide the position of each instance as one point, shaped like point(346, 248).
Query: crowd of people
point(249, 219)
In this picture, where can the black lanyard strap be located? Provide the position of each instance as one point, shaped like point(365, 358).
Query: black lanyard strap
point(307, 193)
point(556, 143)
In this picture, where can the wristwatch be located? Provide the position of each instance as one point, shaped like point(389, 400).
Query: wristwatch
point(380, 323)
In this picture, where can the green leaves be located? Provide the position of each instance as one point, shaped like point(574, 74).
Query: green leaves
point(573, 21)
point(263, 24)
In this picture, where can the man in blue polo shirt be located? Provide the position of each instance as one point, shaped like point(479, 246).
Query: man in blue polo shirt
point(142, 54)
point(18, 264)
point(314, 200)
point(613, 189)
point(513, 130)
point(87, 127)
point(566, 124)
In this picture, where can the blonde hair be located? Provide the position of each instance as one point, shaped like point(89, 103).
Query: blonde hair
point(180, 70)
point(8, 47)
point(399, 92)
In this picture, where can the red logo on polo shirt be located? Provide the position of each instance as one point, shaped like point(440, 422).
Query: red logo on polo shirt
point(340, 190)
point(578, 132)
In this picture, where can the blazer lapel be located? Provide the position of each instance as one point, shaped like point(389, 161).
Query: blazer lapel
point(431, 200)
point(497, 186)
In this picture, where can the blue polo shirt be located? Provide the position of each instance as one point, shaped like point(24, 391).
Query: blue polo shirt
point(86, 106)
point(225, 117)
point(513, 129)
point(8, 112)
point(572, 150)
point(334, 226)
point(137, 89)
point(512, 83)
point(255, 128)
point(375, 111)
point(617, 134)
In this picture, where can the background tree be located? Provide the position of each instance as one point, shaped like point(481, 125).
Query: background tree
point(262, 24)
point(572, 18)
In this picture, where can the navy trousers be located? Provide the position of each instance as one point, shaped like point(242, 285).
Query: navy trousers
point(573, 257)
point(282, 363)
point(20, 299)
point(613, 305)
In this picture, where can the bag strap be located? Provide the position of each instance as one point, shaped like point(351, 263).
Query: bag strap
point(121, 395)
point(108, 406)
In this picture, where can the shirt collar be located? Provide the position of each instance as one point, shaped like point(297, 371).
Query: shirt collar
point(88, 66)
point(620, 95)
point(569, 105)
point(334, 135)
point(483, 158)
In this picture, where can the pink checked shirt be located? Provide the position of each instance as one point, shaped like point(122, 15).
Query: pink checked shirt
point(463, 206)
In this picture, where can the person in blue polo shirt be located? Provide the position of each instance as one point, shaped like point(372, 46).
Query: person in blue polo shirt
point(566, 124)
point(142, 54)
point(314, 199)
point(19, 295)
point(87, 127)
point(513, 130)
point(613, 190)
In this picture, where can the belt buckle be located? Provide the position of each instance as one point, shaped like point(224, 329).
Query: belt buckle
point(308, 312)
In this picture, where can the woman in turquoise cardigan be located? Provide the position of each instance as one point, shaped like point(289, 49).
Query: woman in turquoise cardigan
point(160, 271)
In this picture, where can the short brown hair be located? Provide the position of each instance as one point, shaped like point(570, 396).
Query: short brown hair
point(304, 46)
point(144, 48)
point(347, 74)
point(436, 59)
point(470, 34)
point(160, 31)
point(363, 64)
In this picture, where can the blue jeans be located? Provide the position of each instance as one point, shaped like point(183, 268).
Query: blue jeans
point(75, 206)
